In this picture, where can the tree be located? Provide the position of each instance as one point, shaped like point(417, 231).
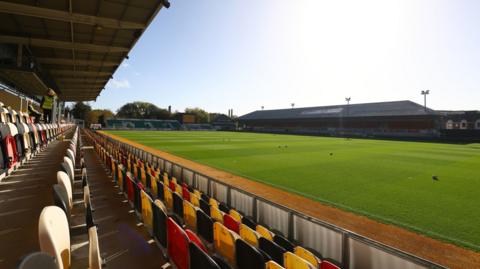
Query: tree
point(201, 115)
point(142, 110)
point(99, 116)
point(80, 110)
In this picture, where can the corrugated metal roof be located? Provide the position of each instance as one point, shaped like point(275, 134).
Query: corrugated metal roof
point(382, 109)
point(77, 44)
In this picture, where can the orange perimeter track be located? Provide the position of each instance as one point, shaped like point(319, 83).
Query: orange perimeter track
point(437, 251)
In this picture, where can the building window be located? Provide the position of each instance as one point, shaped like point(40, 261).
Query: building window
point(463, 124)
point(449, 124)
point(477, 124)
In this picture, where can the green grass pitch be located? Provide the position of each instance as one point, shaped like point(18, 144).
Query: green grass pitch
point(388, 181)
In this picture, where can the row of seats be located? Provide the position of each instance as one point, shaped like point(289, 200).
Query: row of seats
point(56, 226)
point(21, 139)
point(189, 226)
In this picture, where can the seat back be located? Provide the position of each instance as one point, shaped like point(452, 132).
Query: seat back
point(326, 264)
point(199, 259)
point(168, 198)
point(216, 214)
point(195, 239)
point(293, 261)
point(37, 260)
point(60, 199)
point(177, 244)
point(284, 242)
point(231, 223)
point(54, 236)
point(272, 249)
point(224, 242)
point(177, 204)
point(204, 206)
point(195, 199)
point(307, 255)
point(264, 232)
point(237, 216)
point(205, 226)
point(247, 256)
point(94, 259)
point(64, 180)
point(189, 215)
point(130, 189)
point(153, 187)
point(147, 214)
point(273, 265)
point(70, 166)
point(160, 222)
point(71, 155)
point(248, 235)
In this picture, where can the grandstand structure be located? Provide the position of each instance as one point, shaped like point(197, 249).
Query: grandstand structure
point(75, 198)
point(399, 119)
point(142, 124)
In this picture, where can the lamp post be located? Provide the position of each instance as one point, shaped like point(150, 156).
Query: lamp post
point(293, 104)
point(263, 107)
point(348, 104)
point(425, 93)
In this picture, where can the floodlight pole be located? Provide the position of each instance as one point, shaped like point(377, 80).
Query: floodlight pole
point(425, 93)
point(348, 104)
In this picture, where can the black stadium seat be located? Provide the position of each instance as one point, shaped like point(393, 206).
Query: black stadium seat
point(160, 193)
point(272, 249)
point(205, 206)
point(284, 242)
point(249, 222)
point(224, 207)
point(221, 262)
point(177, 204)
point(160, 226)
point(60, 198)
point(205, 226)
point(199, 259)
point(247, 256)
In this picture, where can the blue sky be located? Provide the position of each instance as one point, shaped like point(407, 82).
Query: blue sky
point(246, 54)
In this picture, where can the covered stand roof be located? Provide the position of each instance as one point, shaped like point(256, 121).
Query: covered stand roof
point(71, 46)
point(397, 108)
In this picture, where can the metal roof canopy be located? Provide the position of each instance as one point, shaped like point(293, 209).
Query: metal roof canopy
point(380, 109)
point(78, 44)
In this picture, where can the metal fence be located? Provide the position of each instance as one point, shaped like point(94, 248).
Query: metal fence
point(351, 250)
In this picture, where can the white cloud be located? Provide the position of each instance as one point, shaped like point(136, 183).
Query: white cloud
point(118, 84)
point(125, 64)
point(137, 73)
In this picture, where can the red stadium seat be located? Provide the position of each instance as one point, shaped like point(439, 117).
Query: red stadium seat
point(195, 239)
point(130, 189)
point(231, 223)
point(328, 265)
point(185, 193)
point(177, 244)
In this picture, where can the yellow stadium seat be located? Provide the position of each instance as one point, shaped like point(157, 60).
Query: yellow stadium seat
point(168, 196)
point(174, 180)
point(143, 177)
point(307, 255)
point(153, 186)
point(216, 214)
point(224, 242)
point(197, 193)
point(178, 189)
point(120, 177)
point(273, 265)
point(147, 212)
point(190, 215)
point(213, 202)
point(249, 235)
point(237, 216)
point(292, 261)
point(135, 170)
point(166, 182)
point(194, 199)
point(264, 232)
